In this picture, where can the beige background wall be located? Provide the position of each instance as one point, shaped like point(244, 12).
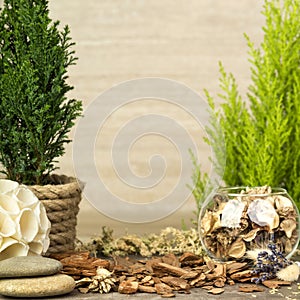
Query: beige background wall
point(118, 40)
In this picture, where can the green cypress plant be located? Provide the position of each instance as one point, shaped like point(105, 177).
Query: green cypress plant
point(262, 134)
point(35, 113)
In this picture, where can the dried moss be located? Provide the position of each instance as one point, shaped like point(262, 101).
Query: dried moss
point(169, 240)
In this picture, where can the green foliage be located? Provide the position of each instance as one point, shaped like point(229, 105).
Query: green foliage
point(201, 188)
point(262, 135)
point(35, 114)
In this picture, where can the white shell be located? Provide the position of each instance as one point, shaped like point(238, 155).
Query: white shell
point(263, 213)
point(24, 225)
point(232, 214)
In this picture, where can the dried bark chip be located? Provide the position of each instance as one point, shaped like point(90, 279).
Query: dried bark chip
point(216, 291)
point(203, 268)
point(156, 280)
point(101, 263)
point(220, 282)
point(119, 269)
point(235, 267)
point(149, 283)
point(190, 275)
point(171, 259)
point(131, 278)
point(162, 288)
point(72, 271)
point(230, 281)
point(170, 295)
point(88, 273)
point(246, 279)
point(193, 263)
point(122, 278)
point(273, 284)
point(242, 274)
point(125, 262)
point(190, 257)
point(199, 281)
point(220, 270)
point(200, 284)
point(176, 283)
point(210, 264)
point(137, 267)
point(208, 287)
point(146, 279)
point(249, 288)
point(149, 264)
point(147, 289)
point(128, 287)
point(161, 268)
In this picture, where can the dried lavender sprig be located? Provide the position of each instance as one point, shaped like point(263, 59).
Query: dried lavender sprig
point(268, 264)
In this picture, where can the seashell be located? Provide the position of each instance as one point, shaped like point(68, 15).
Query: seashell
point(262, 213)
point(24, 225)
point(237, 249)
point(288, 226)
point(232, 214)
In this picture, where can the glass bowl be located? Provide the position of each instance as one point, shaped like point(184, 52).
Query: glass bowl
point(236, 220)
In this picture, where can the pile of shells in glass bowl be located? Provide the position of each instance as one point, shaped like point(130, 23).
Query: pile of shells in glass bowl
point(240, 219)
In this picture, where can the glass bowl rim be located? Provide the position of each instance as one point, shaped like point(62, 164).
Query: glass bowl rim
point(274, 191)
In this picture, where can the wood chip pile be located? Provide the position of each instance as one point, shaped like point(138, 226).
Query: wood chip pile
point(166, 275)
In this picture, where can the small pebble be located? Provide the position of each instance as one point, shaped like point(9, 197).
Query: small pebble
point(28, 266)
point(35, 287)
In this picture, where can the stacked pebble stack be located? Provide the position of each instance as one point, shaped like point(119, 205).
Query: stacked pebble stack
point(33, 277)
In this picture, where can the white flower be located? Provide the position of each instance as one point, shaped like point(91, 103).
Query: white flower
point(24, 225)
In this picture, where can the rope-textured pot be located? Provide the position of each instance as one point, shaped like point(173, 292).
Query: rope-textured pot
point(61, 198)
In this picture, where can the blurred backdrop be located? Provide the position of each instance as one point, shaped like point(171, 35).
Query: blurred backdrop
point(120, 40)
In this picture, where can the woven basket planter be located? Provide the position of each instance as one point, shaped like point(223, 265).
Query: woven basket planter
point(61, 200)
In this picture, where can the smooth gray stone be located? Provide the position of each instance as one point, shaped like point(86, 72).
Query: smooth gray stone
point(35, 287)
point(28, 266)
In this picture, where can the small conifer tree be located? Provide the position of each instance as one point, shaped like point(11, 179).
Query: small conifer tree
point(35, 114)
point(262, 134)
